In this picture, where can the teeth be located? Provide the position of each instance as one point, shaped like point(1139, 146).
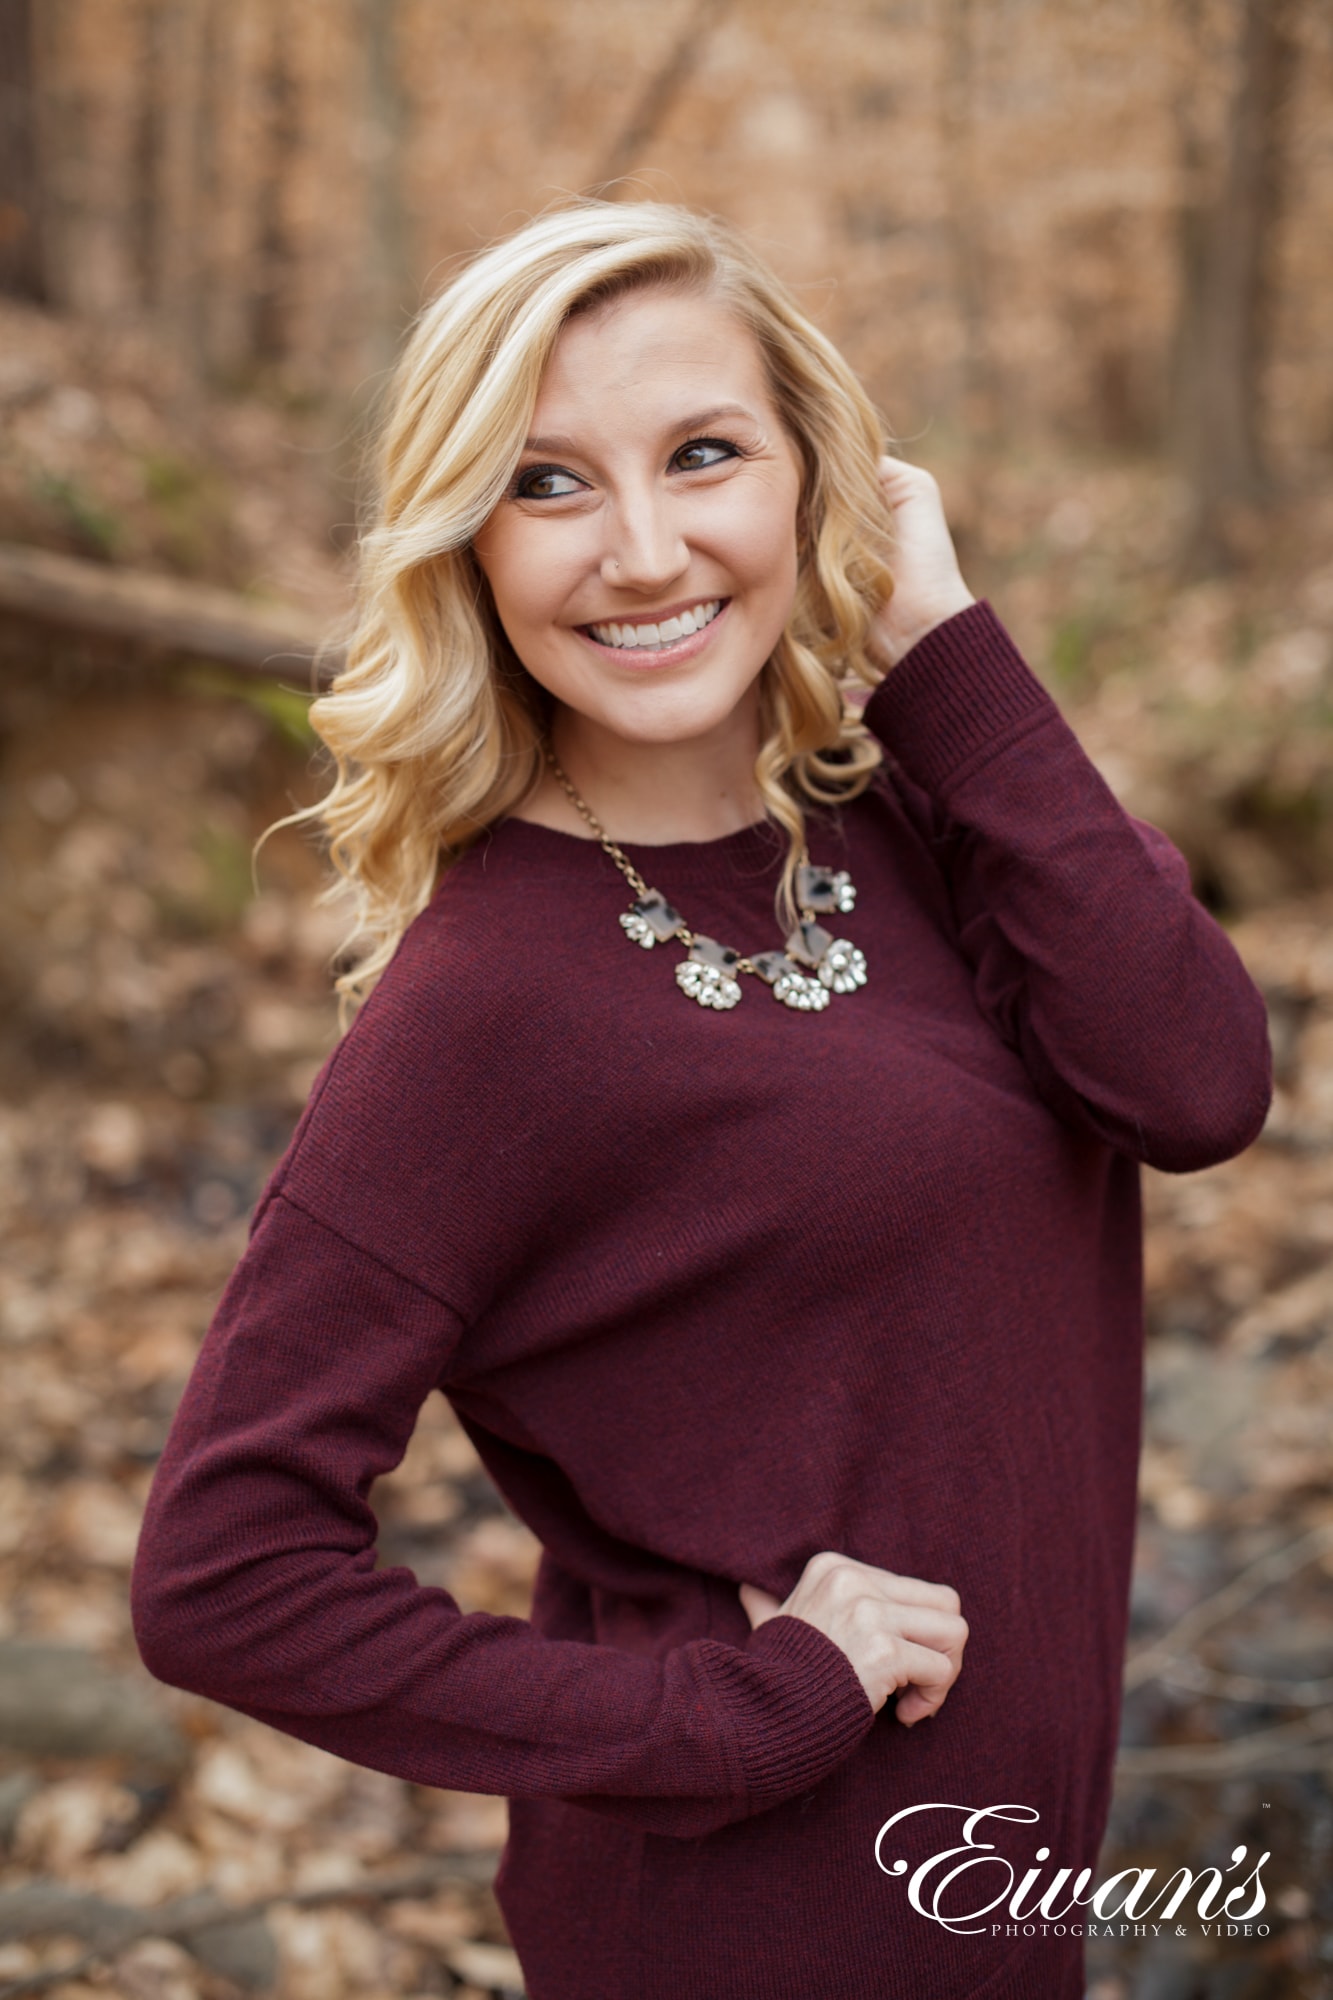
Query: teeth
point(680, 627)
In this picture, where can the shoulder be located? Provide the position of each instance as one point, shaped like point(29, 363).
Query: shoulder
point(470, 975)
point(421, 1112)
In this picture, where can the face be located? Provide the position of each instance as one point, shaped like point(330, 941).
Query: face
point(644, 560)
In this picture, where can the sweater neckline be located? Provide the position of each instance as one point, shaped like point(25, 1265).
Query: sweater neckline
point(757, 849)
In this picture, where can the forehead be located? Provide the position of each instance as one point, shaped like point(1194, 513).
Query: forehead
point(651, 347)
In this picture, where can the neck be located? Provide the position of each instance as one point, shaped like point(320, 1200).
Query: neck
point(652, 794)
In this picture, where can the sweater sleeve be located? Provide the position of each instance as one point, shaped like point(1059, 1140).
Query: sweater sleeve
point(255, 1582)
point(1127, 1003)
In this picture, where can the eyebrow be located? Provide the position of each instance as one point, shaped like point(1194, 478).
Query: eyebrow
point(557, 441)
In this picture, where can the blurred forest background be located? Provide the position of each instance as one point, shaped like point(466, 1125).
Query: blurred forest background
point(1080, 252)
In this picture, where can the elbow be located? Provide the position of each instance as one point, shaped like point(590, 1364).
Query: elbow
point(168, 1630)
point(260, 1634)
point(1214, 1121)
point(183, 1632)
point(1190, 1152)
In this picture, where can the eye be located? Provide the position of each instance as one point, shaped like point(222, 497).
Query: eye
point(545, 482)
point(702, 452)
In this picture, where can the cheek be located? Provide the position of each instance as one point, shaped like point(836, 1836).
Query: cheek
point(526, 573)
point(764, 545)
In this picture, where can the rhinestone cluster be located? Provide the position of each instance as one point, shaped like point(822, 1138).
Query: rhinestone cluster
point(812, 966)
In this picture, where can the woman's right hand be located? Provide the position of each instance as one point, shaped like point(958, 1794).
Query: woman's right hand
point(898, 1633)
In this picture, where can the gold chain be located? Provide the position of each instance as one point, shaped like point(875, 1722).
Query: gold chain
point(621, 859)
point(580, 804)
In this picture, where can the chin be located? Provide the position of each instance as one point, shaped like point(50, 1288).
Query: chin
point(668, 715)
point(671, 708)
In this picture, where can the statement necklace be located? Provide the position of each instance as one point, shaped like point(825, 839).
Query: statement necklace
point(812, 966)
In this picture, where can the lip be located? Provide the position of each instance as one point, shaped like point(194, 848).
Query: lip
point(641, 659)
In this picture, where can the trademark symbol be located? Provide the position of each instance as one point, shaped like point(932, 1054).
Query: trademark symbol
point(1265, 1807)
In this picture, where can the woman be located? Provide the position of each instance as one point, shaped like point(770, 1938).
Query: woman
point(805, 1336)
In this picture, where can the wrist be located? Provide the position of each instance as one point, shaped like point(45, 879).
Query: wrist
point(889, 641)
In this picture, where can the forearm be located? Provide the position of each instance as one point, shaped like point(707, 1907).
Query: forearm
point(1128, 1002)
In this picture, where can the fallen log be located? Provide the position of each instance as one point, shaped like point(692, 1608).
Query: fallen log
point(60, 1701)
point(163, 613)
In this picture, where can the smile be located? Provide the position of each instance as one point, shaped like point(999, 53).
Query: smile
point(652, 638)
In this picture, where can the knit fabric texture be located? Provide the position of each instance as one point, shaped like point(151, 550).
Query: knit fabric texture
point(712, 1292)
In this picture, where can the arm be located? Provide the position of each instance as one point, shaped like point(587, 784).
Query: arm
point(1126, 1001)
point(1128, 1004)
point(255, 1582)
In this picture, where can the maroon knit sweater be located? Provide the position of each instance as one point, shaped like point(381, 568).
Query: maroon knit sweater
point(711, 1292)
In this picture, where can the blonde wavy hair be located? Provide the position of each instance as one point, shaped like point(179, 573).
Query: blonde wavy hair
point(434, 727)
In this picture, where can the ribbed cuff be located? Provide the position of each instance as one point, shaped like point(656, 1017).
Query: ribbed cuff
point(955, 696)
point(809, 1709)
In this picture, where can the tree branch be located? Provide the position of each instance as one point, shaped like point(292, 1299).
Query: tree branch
point(1296, 1746)
point(664, 86)
point(1279, 1564)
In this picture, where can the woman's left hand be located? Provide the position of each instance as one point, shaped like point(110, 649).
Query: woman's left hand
point(928, 585)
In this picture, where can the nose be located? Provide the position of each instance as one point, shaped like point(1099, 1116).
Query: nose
point(644, 548)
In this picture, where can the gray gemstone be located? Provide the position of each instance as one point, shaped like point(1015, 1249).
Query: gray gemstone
point(819, 888)
point(707, 951)
point(773, 965)
point(657, 913)
point(808, 943)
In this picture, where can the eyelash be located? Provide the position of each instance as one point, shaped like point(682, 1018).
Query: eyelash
point(732, 450)
point(531, 472)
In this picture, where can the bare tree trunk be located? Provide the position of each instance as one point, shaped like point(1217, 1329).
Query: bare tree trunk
point(199, 311)
point(22, 270)
point(232, 164)
point(1228, 224)
point(965, 226)
point(387, 256)
point(270, 325)
point(146, 145)
point(180, 26)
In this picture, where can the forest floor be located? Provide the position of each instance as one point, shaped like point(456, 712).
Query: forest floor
point(162, 1023)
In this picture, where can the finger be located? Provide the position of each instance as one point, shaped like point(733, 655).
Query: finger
point(760, 1605)
point(896, 472)
point(919, 1704)
point(939, 1630)
point(912, 1590)
point(923, 1668)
